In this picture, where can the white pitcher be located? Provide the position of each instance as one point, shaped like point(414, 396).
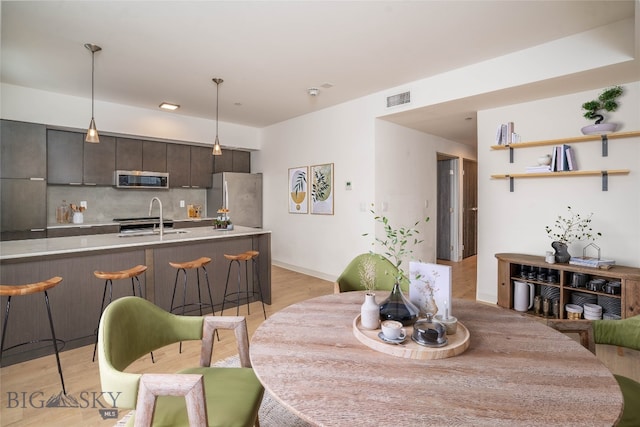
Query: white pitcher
point(523, 297)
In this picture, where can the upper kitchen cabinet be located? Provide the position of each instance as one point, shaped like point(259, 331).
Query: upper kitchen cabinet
point(223, 163)
point(189, 166)
point(178, 165)
point(201, 167)
point(99, 162)
point(23, 152)
point(64, 157)
point(233, 161)
point(154, 156)
point(72, 161)
point(128, 154)
point(137, 155)
point(241, 161)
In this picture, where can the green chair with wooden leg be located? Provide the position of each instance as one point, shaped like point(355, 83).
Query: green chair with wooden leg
point(623, 333)
point(200, 396)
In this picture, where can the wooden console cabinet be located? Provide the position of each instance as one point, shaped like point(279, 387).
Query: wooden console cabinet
point(510, 265)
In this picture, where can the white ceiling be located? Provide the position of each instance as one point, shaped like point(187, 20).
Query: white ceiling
point(269, 52)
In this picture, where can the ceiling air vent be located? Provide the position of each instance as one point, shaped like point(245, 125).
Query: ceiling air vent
point(399, 99)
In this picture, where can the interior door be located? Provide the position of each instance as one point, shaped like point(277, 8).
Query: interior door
point(444, 210)
point(470, 208)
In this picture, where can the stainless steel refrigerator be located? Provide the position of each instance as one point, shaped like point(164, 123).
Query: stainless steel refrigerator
point(241, 193)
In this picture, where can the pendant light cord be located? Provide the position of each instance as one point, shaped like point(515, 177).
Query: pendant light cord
point(93, 66)
point(217, 103)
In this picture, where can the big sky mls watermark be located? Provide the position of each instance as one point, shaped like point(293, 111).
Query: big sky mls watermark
point(104, 402)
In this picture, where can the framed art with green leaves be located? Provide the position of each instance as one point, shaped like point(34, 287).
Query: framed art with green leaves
point(322, 189)
point(298, 194)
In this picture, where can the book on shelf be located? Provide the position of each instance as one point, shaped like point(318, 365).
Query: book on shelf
point(505, 134)
point(538, 169)
point(571, 161)
point(590, 262)
point(563, 159)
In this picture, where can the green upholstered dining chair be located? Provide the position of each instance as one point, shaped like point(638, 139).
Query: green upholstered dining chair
point(200, 396)
point(349, 280)
point(623, 333)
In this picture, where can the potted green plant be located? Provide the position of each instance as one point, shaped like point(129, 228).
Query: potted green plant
point(568, 229)
point(397, 306)
point(606, 101)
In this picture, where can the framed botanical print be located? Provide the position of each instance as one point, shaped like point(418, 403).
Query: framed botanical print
point(298, 194)
point(322, 189)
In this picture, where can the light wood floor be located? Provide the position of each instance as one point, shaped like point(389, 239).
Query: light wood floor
point(27, 386)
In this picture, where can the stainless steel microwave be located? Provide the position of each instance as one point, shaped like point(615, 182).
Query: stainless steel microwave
point(142, 179)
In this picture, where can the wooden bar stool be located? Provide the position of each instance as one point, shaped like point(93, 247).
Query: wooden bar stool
point(198, 264)
point(247, 294)
point(109, 277)
point(32, 288)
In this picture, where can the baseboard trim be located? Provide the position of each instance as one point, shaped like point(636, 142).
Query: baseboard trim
point(306, 271)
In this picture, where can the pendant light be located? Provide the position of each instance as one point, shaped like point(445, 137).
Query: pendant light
point(92, 132)
point(217, 150)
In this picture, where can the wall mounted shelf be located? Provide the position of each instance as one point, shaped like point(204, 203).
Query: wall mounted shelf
point(604, 173)
point(572, 140)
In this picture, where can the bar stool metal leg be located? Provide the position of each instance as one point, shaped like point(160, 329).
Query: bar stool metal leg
point(9, 291)
point(108, 277)
point(182, 267)
point(247, 294)
point(55, 341)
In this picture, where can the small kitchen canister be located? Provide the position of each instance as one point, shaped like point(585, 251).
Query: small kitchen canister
point(78, 218)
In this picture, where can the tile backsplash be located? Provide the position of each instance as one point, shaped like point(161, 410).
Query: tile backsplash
point(106, 203)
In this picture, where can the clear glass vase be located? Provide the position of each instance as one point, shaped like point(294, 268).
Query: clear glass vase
point(399, 308)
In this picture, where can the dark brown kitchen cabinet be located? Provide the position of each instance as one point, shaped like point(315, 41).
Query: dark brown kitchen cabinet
point(99, 162)
point(23, 208)
point(241, 161)
point(201, 167)
point(154, 156)
point(232, 161)
point(189, 166)
point(223, 163)
point(64, 157)
point(179, 165)
point(128, 154)
point(138, 155)
point(72, 161)
point(23, 152)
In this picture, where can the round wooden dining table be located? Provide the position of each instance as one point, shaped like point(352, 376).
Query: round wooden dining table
point(515, 372)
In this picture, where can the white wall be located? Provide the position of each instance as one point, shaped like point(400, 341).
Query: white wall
point(321, 245)
point(406, 179)
point(515, 222)
point(55, 109)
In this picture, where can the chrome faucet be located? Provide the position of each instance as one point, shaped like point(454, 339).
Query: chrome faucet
point(161, 218)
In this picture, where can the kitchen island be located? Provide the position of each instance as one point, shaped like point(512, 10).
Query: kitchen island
point(75, 303)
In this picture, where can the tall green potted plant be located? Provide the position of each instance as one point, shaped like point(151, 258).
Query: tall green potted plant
point(397, 306)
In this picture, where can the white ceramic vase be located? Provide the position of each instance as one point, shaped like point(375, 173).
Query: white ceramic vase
point(370, 312)
point(78, 218)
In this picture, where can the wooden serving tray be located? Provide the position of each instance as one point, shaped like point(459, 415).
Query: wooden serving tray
point(457, 343)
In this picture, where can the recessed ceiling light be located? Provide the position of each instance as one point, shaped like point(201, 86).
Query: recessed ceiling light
point(169, 106)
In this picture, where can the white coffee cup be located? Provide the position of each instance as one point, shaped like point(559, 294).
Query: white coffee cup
point(392, 329)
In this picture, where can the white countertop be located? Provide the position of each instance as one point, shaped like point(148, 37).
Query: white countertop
point(16, 249)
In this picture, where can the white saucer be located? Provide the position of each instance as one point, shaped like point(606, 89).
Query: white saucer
point(399, 340)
